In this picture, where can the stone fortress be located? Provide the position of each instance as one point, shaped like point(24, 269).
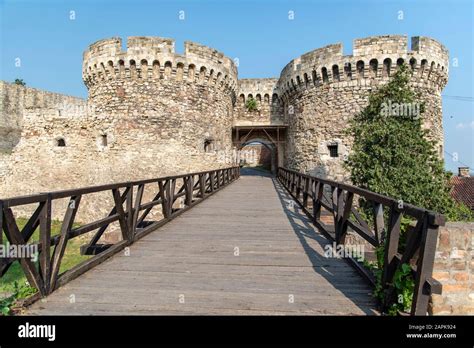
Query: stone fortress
point(152, 112)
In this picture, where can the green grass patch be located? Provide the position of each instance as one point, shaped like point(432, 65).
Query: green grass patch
point(15, 274)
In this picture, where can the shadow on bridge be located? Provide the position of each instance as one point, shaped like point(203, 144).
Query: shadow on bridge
point(304, 230)
point(249, 171)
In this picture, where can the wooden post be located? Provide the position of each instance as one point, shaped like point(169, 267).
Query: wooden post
point(122, 219)
point(136, 211)
point(305, 192)
point(391, 244)
point(379, 224)
point(211, 180)
point(129, 212)
point(66, 226)
point(424, 272)
point(317, 201)
point(45, 239)
point(346, 212)
point(189, 190)
point(164, 194)
point(202, 185)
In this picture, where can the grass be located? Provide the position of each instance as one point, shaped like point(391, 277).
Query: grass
point(71, 258)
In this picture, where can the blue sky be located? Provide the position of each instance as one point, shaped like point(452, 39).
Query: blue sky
point(258, 33)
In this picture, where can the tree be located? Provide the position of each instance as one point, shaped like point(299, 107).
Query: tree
point(19, 82)
point(393, 155)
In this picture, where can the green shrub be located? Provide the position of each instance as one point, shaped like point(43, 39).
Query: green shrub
point(251, 104)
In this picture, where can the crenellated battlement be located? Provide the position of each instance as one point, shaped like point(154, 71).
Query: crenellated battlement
point(154, 58)
point(374, 60)
point(263, 90)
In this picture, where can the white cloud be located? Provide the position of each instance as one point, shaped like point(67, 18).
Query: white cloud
point(465, 125)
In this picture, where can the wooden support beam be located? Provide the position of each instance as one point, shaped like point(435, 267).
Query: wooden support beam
point(424, 270)
point(121, 214)
point(45, 240)
point(14, 237)
point(59, 249)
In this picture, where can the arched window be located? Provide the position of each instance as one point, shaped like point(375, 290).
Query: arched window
point(103, 140)
point(168, 69)
point(314, 77)
point(374, 65)
point(208, 145)
point(211, 77)
point(324, 73)
point(424, 63)
point(335, 73)
point(413, 64)
point(266, 98)
point(348, 70)
point(179, 71)
point(156, 69)
point(242, 99)
point(387, 66)
point(111, 68)
point(102, 72)
point(191, 72)
point(202, 74)
point(400, 61)
point(144, 69)
point(432, 67)
point(121, 68)
point(306, 81)
point(133, 69)
point(360, 69)
point(60, 142)
point(258, 97)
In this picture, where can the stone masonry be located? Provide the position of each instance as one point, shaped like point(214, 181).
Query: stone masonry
point(152, 112)
point(454, 269)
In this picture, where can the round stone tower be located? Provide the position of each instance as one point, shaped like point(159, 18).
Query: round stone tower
point(322, 89)
point(159, 106)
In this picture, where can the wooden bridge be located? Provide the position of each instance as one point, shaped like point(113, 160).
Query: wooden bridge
point(247, 250)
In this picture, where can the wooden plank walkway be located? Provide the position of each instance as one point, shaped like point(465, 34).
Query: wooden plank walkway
point(242, 251)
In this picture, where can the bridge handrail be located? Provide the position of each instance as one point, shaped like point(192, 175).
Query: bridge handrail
point(421, 237)
point(128, 210)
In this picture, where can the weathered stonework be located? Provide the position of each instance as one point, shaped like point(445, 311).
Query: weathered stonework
point(153, 112)
point(322, 90)
point(454, 269)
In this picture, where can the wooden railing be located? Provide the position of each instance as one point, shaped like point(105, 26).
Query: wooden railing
point(341, 200)
point(128, 210)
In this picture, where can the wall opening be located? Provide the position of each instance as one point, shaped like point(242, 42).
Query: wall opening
point(335, 73)
point(324, 73)
point(60, 142)
point(208, 145)
point(333, 150)
point(360, 69)
point(257, 154)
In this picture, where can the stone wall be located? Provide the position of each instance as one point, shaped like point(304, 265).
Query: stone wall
point(141, 120)
point(454, 268)
point(162, 107)
point(323, 89)
point(269, 109)
point(152, 112)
